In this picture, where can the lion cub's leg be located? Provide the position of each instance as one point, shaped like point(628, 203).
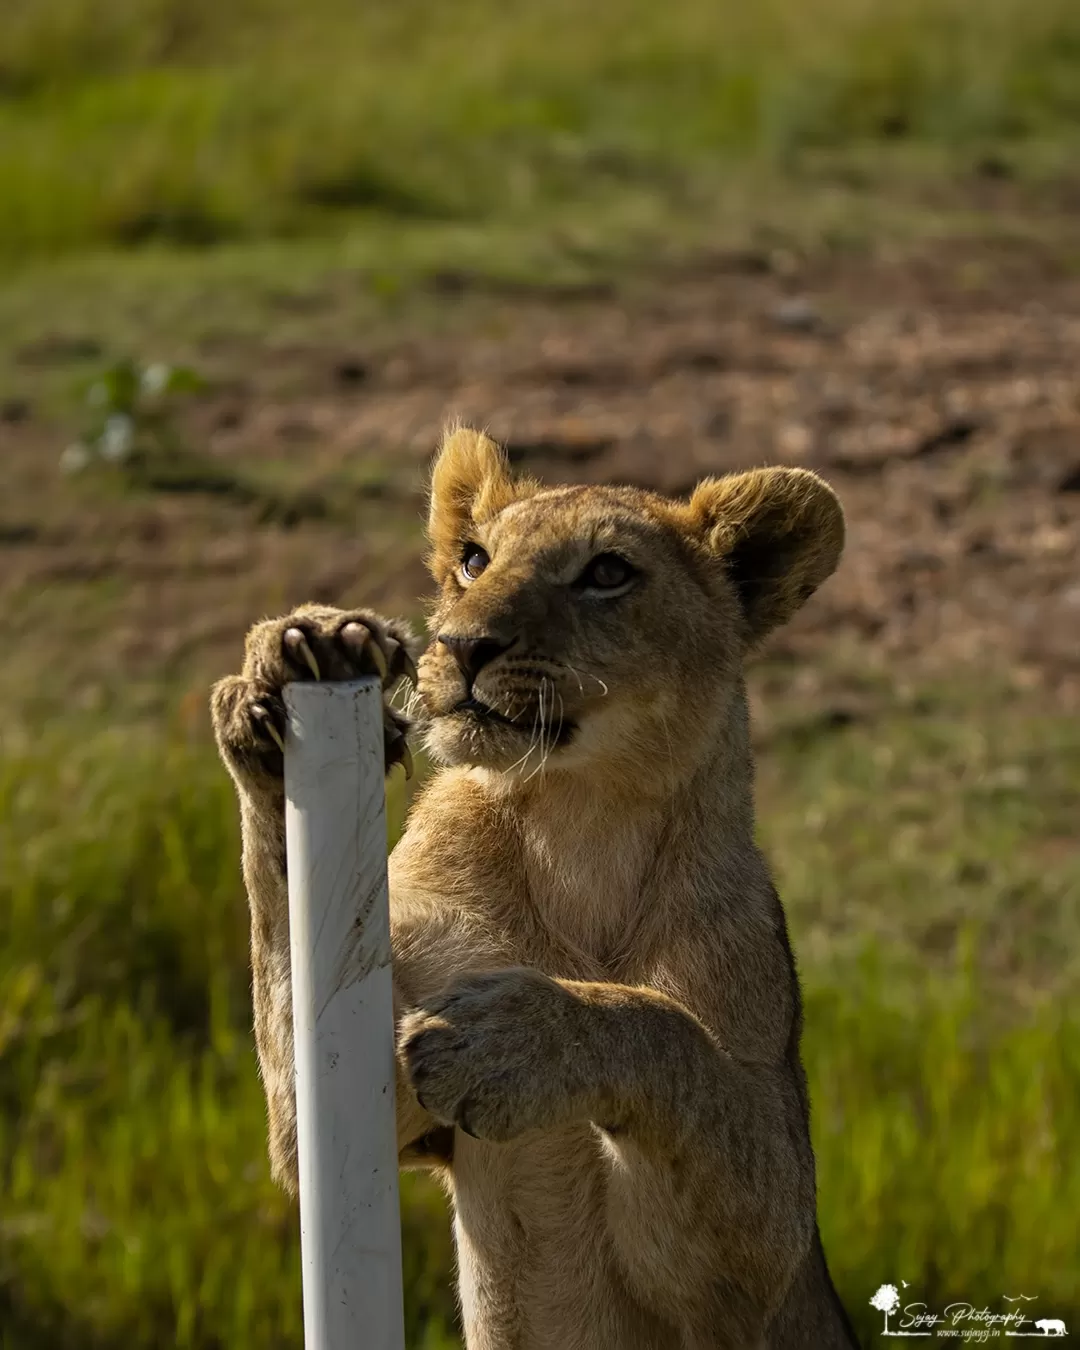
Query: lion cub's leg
point(315, 642)
point(711, 1195)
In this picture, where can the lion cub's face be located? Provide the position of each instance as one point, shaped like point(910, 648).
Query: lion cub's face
point(577, 624)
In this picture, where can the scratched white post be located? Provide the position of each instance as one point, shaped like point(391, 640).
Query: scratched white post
point(335, 832)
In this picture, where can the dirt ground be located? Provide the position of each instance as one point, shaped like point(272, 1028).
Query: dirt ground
point(938, 392)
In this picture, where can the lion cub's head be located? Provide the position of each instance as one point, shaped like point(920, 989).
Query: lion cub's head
point(583, 623)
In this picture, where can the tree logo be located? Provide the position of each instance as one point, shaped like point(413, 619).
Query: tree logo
point(887, 1300)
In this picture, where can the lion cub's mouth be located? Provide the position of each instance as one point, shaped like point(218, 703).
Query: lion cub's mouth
point(483, 712)
point(526, 724)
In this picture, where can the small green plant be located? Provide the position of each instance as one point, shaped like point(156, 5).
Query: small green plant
point(131, 415)
point(133, 433)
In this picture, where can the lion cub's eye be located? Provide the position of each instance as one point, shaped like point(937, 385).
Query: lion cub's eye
point(473, 561)
point(607, 572)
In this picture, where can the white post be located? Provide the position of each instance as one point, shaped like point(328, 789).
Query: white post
point(335, 831)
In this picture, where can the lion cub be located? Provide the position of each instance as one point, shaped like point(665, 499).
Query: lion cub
point(598, 1013)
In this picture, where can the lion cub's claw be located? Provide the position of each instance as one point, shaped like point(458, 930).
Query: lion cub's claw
point(263, 718)
point(297, 645)
point(408, 667)
point(359, 638)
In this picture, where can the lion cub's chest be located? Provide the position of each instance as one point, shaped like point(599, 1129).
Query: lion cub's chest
point(537, 1268)
point(588, 882)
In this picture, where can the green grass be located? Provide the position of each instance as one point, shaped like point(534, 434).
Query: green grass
point(130, 121)
point(925, 858)
point(930, 862)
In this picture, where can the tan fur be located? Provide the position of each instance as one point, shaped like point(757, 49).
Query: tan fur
point(599, 1016)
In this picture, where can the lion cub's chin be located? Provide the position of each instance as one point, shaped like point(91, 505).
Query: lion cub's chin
point(463, 739)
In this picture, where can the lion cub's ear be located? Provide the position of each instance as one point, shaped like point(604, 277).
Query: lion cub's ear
point(781, 533)
point(470, 483)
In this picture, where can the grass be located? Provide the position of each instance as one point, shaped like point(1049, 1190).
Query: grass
point(128, 122)
point(944, 1064)
point(930, 862)
point(139, 1209)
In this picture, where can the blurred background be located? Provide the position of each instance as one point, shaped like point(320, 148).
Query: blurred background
point(252, 255)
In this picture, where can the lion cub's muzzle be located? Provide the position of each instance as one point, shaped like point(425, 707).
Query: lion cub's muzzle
point(489, 686)
point(471, 655)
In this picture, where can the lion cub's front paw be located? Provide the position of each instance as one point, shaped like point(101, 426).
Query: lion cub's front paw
point(315, 642)
point(498, 1054)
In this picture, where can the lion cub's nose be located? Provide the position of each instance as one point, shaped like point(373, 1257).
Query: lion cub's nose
point(473, 653)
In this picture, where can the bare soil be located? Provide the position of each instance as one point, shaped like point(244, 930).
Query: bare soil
point(939, 392)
